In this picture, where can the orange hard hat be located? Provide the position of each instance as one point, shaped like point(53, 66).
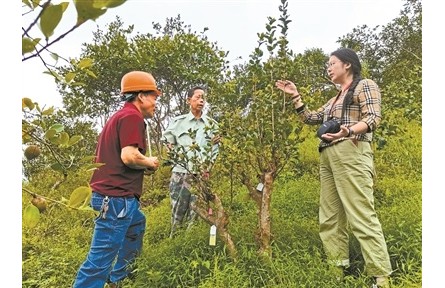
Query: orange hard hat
point(136, 81)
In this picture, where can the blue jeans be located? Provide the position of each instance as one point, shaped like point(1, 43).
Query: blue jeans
point(117, 239)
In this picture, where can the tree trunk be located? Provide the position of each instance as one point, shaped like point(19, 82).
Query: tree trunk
point(264, 217)
point(262, 199)
point(219, 218)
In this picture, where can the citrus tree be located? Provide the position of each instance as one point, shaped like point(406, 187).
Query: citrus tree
point(260, 129)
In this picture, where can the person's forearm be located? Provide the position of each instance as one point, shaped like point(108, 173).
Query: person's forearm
point(136, 160)
point(296, 99)
point(358, 128)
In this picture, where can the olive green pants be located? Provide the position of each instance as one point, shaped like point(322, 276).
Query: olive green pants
point(346, 198)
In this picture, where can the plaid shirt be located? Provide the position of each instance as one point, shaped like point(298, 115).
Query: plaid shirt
point(365, 107)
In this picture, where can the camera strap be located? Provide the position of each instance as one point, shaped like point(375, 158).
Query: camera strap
point(332, 106)
point(343, 104)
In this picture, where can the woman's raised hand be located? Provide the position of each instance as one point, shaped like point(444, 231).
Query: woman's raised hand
point(287, 86)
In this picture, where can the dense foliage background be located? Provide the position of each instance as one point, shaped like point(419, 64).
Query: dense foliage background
point(270, 140)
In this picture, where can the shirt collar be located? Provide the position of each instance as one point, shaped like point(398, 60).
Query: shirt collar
point(191, 117)
point(130, 106)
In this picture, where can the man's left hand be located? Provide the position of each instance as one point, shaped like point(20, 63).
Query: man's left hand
point(216, 139)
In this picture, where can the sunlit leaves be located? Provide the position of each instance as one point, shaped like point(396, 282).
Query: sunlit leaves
point(85, 63)
point(69, 76)
point(56, 135)
point(177, 57)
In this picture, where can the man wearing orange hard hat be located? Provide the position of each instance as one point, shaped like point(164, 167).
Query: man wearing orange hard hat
point(117, 185)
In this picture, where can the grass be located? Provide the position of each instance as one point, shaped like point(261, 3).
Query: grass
point(53, 251)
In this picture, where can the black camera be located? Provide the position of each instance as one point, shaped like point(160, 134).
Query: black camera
point(331, 126)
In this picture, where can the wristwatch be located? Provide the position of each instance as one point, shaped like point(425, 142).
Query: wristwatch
point(351, 132)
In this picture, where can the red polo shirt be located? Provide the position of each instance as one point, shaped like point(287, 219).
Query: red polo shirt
point(125, 128)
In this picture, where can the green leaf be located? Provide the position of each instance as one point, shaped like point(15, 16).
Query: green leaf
point(35, 3)
point(69, 76)
point(54, 74)
point(50, 134)
point(31, 216)
point(48, 111)
point(58, 127)
point(80, 197)
point(28, 44)
point(76, 84)
point(57, 167)
point(64, 138)
point(27, 3)
point(26, 102)
point(55, 140)
point(94, 166)
point(85, 63)
point(91, 73)
point(87, 10)
point(74, 139)
point(55, 56)
point(51, 17)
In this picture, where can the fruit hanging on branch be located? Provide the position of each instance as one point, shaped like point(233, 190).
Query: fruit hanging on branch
point(32, 152)
point(40, 203)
